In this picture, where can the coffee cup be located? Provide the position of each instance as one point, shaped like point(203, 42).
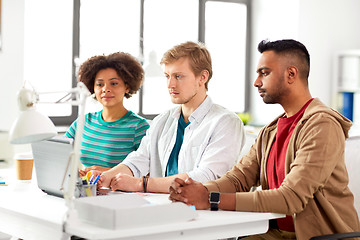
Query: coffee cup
point(24, 166)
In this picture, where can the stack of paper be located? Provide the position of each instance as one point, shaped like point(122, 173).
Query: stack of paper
point(127, 210)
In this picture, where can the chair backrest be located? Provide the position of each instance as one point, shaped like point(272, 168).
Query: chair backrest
point(352, 160)
point(250, 137)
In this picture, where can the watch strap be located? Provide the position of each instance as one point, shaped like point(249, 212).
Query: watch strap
point(214, 206)
point(214, 200)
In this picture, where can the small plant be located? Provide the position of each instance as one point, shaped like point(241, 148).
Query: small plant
point(245, 117)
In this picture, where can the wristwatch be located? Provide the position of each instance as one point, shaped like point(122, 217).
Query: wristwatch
point(214, 200)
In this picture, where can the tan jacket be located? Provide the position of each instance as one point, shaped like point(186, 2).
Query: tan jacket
point(315, 189)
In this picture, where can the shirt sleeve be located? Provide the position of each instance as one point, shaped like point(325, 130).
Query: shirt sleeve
point(221, 151)
point(70, 133)
point(140, 132)
point(139, 161)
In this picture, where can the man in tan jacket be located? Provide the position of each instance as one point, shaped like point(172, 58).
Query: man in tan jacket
point(298, 159)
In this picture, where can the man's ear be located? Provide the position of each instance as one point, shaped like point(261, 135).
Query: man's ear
point(292, 74)
point(204, 76)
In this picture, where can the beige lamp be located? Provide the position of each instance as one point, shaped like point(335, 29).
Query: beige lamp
point(31, 125)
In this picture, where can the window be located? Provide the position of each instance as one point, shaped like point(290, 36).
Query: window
point(145, 29)
point(225, 37)
point(106, 27)
point(48, 67)
point(166, 23)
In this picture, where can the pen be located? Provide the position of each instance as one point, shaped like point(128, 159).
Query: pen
point(91, 179)
point(96, 179)
point(88, 174)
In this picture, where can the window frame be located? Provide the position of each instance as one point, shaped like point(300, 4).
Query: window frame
point(67, 120)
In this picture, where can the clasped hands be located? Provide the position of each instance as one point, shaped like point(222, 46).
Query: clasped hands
point(190, 192)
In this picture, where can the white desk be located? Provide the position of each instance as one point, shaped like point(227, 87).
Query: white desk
point(27, 213)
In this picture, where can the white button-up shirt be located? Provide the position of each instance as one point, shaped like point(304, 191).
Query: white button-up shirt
point(212, 143)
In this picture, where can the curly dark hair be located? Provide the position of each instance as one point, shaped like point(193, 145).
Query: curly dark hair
point(125, 65)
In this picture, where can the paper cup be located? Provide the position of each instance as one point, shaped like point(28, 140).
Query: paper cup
point(24, 163)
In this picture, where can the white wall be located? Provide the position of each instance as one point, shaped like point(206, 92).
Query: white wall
point(327, 26)
point(324, 26)
point(278, 23)
point(11, 59)
point(48, 50)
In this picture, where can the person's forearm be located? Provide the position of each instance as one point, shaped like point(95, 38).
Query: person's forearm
point(120, 168)
point(227, 201)
point(107, 176)
point(162, 184)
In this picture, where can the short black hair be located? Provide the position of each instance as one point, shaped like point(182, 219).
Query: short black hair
point(289, 47)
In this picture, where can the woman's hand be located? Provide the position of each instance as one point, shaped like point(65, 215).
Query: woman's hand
point(92, 168)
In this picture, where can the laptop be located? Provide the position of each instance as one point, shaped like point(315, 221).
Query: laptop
point(51, 158)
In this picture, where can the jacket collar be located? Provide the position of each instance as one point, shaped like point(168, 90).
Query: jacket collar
point(315, 107)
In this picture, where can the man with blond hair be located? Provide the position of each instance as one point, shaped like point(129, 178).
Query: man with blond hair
point(197, 139)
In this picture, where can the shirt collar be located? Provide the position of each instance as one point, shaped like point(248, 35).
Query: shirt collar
point(199, 113)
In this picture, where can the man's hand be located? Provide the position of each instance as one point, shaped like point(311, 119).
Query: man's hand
point(126, 182)
point(189, 192)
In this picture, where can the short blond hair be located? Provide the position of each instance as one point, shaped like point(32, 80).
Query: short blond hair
point(197, 53)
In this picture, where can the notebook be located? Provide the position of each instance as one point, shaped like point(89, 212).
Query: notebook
point(51, 159)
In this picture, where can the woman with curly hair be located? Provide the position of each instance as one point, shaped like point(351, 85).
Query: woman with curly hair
point(112, 133)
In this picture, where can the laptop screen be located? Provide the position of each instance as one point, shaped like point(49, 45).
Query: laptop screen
point(51, 158)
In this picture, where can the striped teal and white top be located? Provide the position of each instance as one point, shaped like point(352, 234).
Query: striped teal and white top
point(107, 144)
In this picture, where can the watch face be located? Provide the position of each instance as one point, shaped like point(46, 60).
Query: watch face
point(214, 197)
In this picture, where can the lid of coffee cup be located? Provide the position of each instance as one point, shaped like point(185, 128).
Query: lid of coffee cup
point(23, 156)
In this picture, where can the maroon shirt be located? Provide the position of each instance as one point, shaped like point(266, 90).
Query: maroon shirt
point(276, 163)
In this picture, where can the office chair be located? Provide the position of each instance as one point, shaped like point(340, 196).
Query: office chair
point(352, 161)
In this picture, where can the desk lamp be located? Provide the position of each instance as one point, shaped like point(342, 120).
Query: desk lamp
point(31, 126)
